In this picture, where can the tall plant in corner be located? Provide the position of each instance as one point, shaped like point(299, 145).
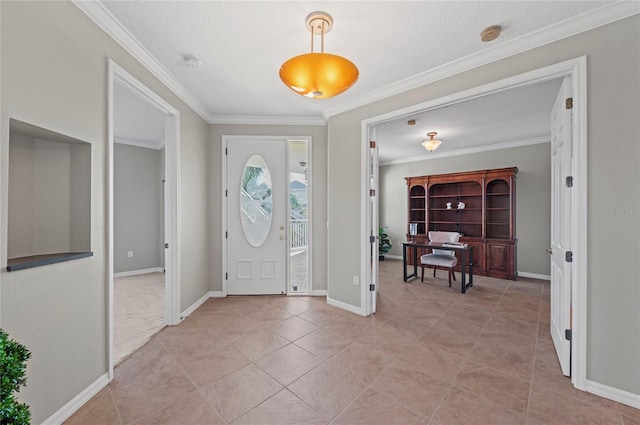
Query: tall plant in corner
point(384, 243)
point(13, 363)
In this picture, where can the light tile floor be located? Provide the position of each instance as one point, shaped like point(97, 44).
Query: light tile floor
point(430, 355)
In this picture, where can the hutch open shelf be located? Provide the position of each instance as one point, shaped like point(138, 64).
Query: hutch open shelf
point(480, 205)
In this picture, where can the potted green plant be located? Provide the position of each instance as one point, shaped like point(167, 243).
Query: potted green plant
point(384, 243)
point(13, 363)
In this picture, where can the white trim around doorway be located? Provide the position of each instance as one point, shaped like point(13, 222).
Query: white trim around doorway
point(172, 200)
point(577, 70)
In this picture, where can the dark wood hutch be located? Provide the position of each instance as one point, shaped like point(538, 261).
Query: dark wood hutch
point(486, 221)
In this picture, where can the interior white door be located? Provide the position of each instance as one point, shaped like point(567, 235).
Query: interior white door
point(373, 199)
point(256, 217)
point(561, 149)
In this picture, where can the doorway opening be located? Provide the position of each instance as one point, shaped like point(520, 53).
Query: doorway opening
point(138, 191)
point(142, 216)
point(576, 70)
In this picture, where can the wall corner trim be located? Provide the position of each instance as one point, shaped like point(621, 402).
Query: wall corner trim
point(78, 401)
point(615, 394)
point(345, 306)
point(197, 304)
point(534, 275)
point(137, 272)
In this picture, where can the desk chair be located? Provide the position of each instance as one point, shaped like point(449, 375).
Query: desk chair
point(440, 257)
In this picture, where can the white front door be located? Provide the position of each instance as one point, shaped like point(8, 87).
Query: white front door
point(256, 217)
point(561, 226)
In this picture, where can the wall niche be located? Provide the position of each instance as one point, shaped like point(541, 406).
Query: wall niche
point(49, 201)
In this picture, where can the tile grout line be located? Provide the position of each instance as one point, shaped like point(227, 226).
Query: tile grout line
point(535, 358)
point(115, 405)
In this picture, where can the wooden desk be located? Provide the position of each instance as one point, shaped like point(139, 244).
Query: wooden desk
point(465, 264)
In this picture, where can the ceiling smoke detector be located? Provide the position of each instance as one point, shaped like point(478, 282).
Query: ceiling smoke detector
point(490, 33)
point(192, 62)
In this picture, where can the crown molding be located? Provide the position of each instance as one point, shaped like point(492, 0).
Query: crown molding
point(589, 20)
point(468, 151)
point(114, 28)
point(266, 120)
point(597, 17)
point(140, 143)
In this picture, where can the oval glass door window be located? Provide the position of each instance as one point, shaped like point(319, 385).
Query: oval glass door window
point(256, 201)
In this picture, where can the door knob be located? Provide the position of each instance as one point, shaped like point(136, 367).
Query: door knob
point(281, 227)
point(548, 251)
point(281, 237)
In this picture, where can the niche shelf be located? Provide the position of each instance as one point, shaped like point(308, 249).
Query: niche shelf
point(49, 200)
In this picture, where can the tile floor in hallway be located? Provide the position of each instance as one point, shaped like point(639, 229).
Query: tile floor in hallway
point(430, 355)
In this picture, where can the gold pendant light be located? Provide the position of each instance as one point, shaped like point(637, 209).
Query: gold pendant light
point(318, 75)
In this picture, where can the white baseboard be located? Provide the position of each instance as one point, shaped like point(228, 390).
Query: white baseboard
point(142, 271)
point(195, 305)
point(77, 402)
point(216, 294)
point(393, 257)
point(534, 275)
point(319, 293)
point(345, 306)
point(614, 394)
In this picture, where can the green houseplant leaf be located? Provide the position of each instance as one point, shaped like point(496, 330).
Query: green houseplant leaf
point(384, 243)
point(13, 364)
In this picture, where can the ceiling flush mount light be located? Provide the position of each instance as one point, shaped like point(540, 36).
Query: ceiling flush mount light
point(318, 75)
point(490, 33)
point(431, 145)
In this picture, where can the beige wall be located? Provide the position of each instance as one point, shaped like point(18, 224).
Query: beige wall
point(319, 192)
point(136, 208)
point(54, 75)
point(533, 197)
point(613, 55)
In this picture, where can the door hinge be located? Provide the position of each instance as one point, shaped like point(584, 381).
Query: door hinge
point(166, 245)
point(569, 181)
point(226, 235)
point(226, 276)
point(568, 103)
point(226, 151)
point(568, 256)
point(372, 192)
point(372, 287)
point(567, 334)
point(372, 144)
point(372, 239)
point(226, 193)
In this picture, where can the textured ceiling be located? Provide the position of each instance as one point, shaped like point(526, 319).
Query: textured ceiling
point(136, 121)
point(242, 44)
point(518, 115)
